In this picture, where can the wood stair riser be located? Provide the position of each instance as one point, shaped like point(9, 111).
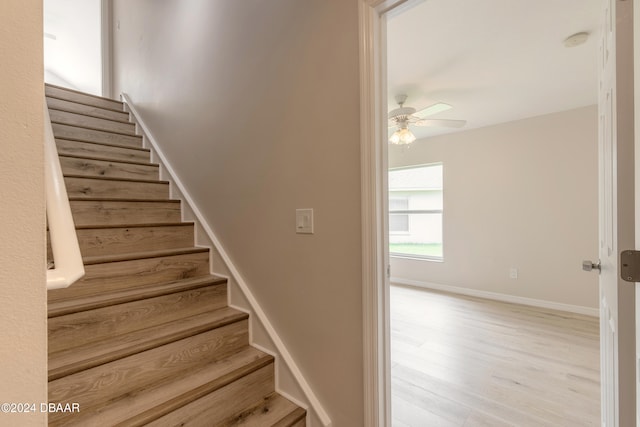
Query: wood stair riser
point(95, 325)
point(110, 169)
point(82, 98)
point(118, 379)
point(107, 152)
point(217, 407)
point(89, 110)
point(82, 120)
point(100, 212)
point(114, 189)
point(110, 241)
point(112, 276)
point(63, 131)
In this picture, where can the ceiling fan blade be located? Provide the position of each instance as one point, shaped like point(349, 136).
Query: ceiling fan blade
point(432, 109)
point(441, 123)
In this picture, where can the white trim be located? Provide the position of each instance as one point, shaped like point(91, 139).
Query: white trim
point(282, 352)
point(587, 311)
point(376, 398)
point(375, 250)
point(105, 46)
point(636, 115)
point(62, 230)
point(375, 236)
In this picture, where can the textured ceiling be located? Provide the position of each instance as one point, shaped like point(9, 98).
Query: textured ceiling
point(493, 60)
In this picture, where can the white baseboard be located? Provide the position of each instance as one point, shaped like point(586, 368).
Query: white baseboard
point(587, 311)
point(280, 352)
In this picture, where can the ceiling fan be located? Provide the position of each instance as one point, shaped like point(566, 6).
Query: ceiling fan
point(403, 116)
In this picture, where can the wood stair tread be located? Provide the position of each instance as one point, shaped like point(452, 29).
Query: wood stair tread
point(146, 224)
point(110, 178)
point(141, 255)
point(108, 187)
point(69, 361)
point(120, 199)
point(102, 152)
point(72, 305)
point(107, 144)
point(64, 130)
point(110, 240)
point(55, 101)
point(147, 404)
point(87, 168)
point(65, 110)
point(87, 211)
point(130, 134)
point(274, 411)
point(123, 380)
point(104, 107)
point(82, 93)
point(80, 119)
point(104, 159)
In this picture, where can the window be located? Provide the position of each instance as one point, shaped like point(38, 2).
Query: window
point(398, 223)
point(415, 212)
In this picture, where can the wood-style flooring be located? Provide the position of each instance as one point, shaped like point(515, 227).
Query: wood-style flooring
point(464, 361)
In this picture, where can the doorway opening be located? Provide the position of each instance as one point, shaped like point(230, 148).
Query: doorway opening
point(518, 179)
point(76, 45)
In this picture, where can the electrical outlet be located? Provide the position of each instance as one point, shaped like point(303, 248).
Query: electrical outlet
point(513, 273)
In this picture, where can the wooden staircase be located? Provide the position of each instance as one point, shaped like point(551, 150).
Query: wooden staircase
point(146, 337)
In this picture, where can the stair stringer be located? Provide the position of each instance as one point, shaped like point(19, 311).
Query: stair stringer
point(289, 380)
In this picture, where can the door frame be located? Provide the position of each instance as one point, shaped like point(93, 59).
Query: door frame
point(375, 297)
point(375, 252)
point(375, 248)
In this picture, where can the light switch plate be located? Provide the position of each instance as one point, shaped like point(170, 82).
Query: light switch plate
point(304, 221)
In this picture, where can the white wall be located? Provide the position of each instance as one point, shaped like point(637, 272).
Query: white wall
point(73, 59)
point(23, 341)
point(522, 194)
point(256, 105)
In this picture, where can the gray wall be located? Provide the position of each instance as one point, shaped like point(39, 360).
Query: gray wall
point(521, 194)
point(256, 105)
point(23, 342)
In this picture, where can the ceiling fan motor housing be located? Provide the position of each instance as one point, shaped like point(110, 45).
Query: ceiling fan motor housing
point(401, 113)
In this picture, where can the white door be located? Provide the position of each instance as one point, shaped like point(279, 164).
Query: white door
point(617, 213)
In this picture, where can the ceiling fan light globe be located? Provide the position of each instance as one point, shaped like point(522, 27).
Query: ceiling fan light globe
point(402, 137)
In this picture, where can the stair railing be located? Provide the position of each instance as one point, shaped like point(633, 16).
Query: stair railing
point(67, 261)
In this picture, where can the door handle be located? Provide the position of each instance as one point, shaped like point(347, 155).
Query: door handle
point(589, 265)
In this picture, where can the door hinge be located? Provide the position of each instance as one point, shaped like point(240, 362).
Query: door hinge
point(630, 266)
point(388, 272)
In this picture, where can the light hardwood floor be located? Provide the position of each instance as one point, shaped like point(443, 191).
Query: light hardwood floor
point(464, 361)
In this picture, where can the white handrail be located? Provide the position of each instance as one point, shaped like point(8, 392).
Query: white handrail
point(68, 266)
